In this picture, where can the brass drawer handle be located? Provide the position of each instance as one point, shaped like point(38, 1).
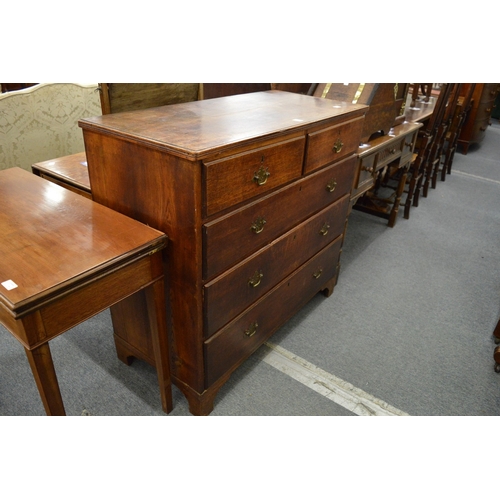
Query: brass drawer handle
point(260, 177)
point(255, 280)
point(392, 151)
point(488, 110)
point(408, 144)
point(337, 147)
point(318, 273)
point(324, 230)
point(258, 226)
point(252, 330)
point(330, 187)
point(368, 169)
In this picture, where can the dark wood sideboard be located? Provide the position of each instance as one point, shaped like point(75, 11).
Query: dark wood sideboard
point(478, 119)
point(253, 191)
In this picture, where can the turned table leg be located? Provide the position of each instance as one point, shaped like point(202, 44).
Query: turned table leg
point(397, 202)
point(42, 367)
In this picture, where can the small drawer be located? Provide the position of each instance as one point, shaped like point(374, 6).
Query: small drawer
point(409, 144)
point(237, 178)
point(332, 144)
point(239, 234)
point(389, 153)
point(236, 341)
point(366, 172)
point(235, 290)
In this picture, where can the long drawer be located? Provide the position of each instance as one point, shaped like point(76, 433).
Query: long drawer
point(235, 290)
point(240, 177)
point(231, 345)
point(233, 237)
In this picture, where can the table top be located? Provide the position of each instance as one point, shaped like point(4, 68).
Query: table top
point(421, 111)
point(195, 129)
point(385, 140)
point(71, 169)
point(52, 239)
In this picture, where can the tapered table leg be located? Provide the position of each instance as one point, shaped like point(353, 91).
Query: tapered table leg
point(40, 360)
point(155, 297)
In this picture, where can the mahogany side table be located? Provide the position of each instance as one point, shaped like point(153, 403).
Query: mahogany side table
point(65, 258)
point(69, 171)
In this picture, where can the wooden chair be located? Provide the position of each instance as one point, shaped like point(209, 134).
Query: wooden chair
point(462, 109)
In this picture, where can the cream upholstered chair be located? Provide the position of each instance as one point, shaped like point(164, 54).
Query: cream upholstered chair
point(41, 122)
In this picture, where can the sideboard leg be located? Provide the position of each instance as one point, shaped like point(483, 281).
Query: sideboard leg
point(123, 354)
point(327, 290)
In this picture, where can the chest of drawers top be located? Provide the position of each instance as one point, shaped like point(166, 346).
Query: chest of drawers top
point(200, 129)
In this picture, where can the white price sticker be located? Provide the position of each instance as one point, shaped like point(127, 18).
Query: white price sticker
point(9, 284)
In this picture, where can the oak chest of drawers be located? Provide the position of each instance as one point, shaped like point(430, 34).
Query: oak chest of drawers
point(253, 191)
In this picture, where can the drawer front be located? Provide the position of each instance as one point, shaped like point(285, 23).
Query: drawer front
point(231, 345)
point(366, 172)
point(332, 144)
point(237, 235)
point(389, 154)
point(409, 144)
point(234, 291)
point(237, 178)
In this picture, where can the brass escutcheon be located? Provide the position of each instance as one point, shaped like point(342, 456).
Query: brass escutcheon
point(260, 177)
point(337, 147)
point(258, 225)
point(324, 229)
point(252, 330)
point(330, 187)
point(318, 273)
point(255, 280)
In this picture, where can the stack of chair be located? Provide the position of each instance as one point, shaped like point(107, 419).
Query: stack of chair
point(461, 112)
point(438, 145)
point(423, 149)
